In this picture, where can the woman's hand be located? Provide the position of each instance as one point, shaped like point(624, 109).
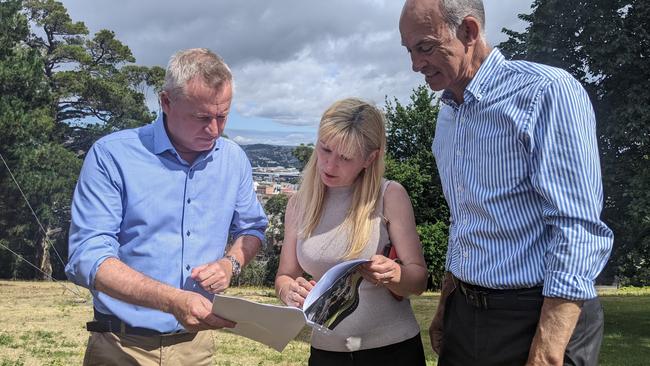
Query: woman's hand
point(381, 271)
point(296, 292)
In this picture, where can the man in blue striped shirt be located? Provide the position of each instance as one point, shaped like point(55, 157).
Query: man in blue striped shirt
point(516, 149)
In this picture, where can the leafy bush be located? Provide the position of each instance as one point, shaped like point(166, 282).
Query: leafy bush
point(634, 268)
point(272, 263)
point(253, 274)
point(434, 245)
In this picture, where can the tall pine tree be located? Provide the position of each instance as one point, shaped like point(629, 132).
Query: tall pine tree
point(45, 171)
point(96, 88)
point(61, 90)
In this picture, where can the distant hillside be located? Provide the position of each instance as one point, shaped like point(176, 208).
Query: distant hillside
point(270, 155)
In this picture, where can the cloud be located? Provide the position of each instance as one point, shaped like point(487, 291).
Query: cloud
point(243, 140)
point(286, 138)
point(297, 91)
point(292, 58)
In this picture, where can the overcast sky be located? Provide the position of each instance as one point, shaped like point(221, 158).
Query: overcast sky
point(290, 58)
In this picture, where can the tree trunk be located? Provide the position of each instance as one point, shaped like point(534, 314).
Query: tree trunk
point(43, 252)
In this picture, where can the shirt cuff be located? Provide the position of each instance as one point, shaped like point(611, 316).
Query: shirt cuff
point(252, 232)
point(82, 266)
point(93, 271)
point(568, 286)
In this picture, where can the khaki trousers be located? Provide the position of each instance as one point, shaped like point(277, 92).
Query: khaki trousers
point(175, 349)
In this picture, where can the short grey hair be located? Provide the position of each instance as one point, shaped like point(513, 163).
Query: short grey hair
point(454, 11)
point(185, 65)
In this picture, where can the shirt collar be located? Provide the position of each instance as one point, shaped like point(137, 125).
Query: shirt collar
point(162, 142)
point(476, 87)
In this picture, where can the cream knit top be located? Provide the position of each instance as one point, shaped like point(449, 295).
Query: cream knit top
point(379, 319)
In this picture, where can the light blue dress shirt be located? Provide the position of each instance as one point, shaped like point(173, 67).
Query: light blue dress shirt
point(519, 166)
point(139, 201)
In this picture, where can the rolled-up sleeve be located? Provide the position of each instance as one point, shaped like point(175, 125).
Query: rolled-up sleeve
point(96, 218)
point(249, 217)
point(566, 173)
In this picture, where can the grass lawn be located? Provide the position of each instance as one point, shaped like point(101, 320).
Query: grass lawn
point(43, 324)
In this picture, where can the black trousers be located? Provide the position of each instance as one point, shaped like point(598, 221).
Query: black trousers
point(409, 352)
point(497, 328)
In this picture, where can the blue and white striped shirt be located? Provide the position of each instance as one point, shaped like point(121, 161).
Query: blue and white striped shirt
point(519, 166)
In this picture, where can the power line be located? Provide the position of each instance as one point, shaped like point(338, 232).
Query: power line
point(45, 238)
point(32, 210)
point(73, 290)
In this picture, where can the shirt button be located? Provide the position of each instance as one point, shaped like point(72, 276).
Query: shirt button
point(460, 189)
point(459, 152)
point(188, 233)
point(189, 200)
point(465, 254)
point(465, 221)
point(187, 268)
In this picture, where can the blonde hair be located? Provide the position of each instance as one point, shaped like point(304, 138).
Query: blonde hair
point(357, 127)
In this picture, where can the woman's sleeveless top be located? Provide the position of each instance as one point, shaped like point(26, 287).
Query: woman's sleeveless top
point(379, 319)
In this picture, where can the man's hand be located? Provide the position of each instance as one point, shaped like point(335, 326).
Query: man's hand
point(556, 324)
point(194, 312)
point(436, 330)
point(213, 277)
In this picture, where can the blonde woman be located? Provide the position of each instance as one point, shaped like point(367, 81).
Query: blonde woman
point(343, 210)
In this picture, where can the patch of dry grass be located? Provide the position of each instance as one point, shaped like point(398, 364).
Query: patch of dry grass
point(41, 323)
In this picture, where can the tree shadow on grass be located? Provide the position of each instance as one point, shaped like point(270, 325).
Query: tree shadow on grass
point(627, 339)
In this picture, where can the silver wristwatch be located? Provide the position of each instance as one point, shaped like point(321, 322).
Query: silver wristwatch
point(236, 266)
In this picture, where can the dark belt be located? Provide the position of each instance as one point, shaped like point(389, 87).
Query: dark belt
point(110, 323)
point(512, 299)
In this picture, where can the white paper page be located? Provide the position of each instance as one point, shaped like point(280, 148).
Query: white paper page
point(329, 278)
point(272, 325)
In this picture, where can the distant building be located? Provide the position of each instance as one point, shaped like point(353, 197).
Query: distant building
point(271, 190)
point(276, 174)
point(289, 189)
point(269, 181)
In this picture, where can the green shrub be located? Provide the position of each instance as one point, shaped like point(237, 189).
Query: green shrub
point(272, 263)
point(434, 245)
point(253, 274)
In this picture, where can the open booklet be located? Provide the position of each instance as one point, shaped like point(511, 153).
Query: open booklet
point(331, 300)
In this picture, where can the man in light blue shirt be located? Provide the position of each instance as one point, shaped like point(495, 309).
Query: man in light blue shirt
point(516, 149)
point(153, 211)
